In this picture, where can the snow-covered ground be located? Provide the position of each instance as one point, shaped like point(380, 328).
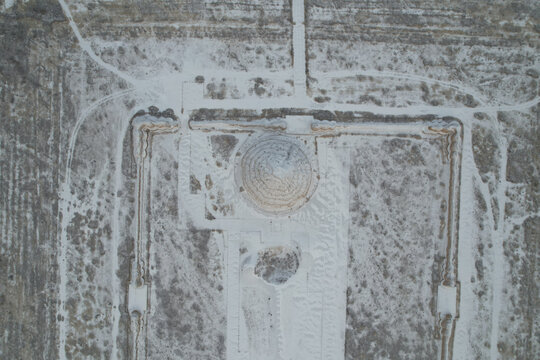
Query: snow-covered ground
point(277, 180)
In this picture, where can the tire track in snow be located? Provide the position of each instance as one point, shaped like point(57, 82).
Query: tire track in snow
point(66, 209)
point(85, 45)
point(498, 248)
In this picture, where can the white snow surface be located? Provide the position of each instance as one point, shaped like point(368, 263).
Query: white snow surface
point(305, 318)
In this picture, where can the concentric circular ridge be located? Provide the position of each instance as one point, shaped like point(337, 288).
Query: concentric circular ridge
point(275, 174)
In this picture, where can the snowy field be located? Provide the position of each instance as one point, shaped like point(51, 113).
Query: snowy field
point(269, 180)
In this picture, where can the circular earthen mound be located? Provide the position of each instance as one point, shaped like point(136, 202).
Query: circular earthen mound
point(276, 265)
point(276, 175)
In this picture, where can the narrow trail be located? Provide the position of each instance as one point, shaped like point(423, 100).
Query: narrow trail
point(498, 241)
point(115, 244)
point(67, 211)
point(86, 46)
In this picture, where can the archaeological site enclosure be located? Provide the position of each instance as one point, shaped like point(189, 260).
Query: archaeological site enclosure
point(269, 179)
